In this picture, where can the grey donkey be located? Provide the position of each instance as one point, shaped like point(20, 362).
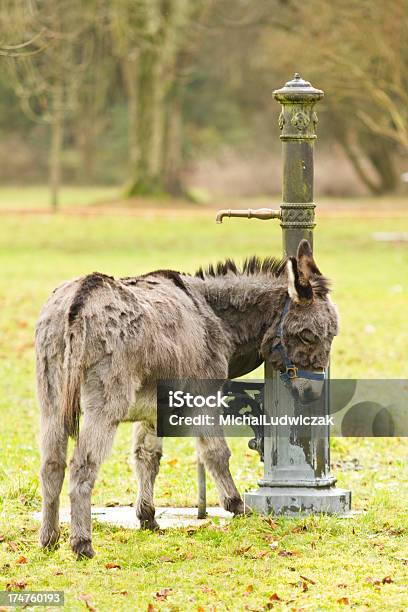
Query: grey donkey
point(102, 344)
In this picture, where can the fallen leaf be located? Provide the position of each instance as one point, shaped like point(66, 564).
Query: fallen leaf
point(208, 590)
point(200, 609)
point(12, 546)
point(391, 530)
point(289, 553)
point(403, 560)
point(249, 589)
point(371, 580)
point(58, 573)
point(2, 537)
point(342, 585)
point(387, 580)
point(112, 565)
point(269, 537)
point(173, 462)
point(260, 554)
point(274, 545)
point(16, 584)
point(271, 523)
point(307, 579)
point(87, 599)
point(344, 600)
point(21, 560)
point(167, 559)
point(300, 528)
point(305, 587)
point(242, 550)
point(194, 528)
point(120, 592)
point(275, 597)
point(163, 594)
point(150, 607)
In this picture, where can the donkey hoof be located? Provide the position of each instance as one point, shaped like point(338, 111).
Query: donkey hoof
point(149, 524)
point(49, 537)
point(82, 548)
point(234, 505)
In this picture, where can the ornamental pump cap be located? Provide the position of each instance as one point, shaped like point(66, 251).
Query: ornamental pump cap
point(297, 90)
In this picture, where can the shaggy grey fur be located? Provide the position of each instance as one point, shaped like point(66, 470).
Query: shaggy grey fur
point(102, 344)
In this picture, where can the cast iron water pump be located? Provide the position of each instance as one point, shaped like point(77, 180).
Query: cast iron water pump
point(297, 474)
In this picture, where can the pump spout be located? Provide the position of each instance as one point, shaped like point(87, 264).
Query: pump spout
point(249, 213)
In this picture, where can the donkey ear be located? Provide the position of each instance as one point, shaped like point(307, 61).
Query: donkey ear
point(306, 264)
point(299, 289)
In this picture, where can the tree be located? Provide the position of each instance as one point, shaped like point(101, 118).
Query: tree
point(47, 81)
point(147, 37)
point(359, 52)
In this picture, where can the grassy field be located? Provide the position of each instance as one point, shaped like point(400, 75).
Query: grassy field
point(317, 563)
point(38, 197)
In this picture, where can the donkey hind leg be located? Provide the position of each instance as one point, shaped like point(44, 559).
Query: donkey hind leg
point(93, 445)
point(54, 441)
point(215, 454)
point(147, 451)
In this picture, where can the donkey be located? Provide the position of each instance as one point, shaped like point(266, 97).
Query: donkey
point(101, 345)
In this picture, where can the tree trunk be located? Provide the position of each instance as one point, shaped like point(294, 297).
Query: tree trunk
point(130, 71)
point(157, 76)
point(380, 152)
point(158, 121)
point(173, 145)
point(144, 180)
point(360, 170)
point(377, 150)
point(55, 150)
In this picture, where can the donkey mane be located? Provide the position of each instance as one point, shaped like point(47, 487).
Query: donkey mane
point(255, 266)
point(252, 266)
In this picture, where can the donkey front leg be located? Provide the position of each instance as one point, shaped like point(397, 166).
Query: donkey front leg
point(54, 440)
point(147, 451)
point(215, 454)
point(93, 445)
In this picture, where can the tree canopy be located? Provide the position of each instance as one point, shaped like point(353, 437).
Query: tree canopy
point(134, 91)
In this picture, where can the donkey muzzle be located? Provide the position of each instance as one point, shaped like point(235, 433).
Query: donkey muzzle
point(307, 390)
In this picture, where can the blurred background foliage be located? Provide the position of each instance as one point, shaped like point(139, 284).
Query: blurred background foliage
point(174, 96)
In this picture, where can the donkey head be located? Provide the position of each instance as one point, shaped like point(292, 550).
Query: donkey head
point(307, 328)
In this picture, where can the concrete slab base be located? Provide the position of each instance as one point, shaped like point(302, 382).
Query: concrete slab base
point(292, 501)
point(125, 516)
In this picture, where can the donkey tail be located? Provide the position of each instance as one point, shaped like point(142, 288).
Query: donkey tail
point(75, 337)
point(72, 374)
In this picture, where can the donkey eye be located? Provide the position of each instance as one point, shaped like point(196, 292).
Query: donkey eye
point(307, 337)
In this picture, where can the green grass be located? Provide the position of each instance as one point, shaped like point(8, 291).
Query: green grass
point(242, 564)
point(38, 197)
